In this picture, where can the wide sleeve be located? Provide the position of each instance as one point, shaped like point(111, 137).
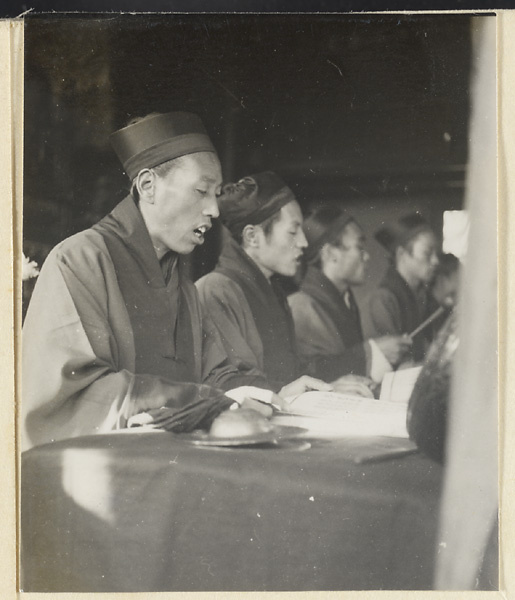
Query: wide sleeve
point(72, 381)
point(384, 316)
point(228, 321)
point(222, 372)
point(321, 350)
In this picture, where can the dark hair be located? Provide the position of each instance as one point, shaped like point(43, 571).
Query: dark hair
point(409, 244)
point(266, 225)
point(319, 222)
point(448, 264)
point(402, 234)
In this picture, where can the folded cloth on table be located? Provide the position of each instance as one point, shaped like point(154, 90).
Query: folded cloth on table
point(196, 415)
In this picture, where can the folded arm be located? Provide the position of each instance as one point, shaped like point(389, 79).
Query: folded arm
point(78, 355)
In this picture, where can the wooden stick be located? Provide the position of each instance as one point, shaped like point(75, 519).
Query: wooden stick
point(439, 311)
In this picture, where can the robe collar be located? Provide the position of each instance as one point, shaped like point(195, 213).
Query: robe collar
point(413, 308)
point(395, 282)
point(234, 258)
point(269, 309)
point(126, 221)
point(323, 290)
point(320, 287)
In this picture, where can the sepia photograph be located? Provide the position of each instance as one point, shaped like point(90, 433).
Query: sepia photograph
point(259, 307)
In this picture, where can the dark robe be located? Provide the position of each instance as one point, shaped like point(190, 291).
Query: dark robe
point(106, 337)
point(428, 404)
point(329, 336)
point(395, 309)
point(251, 315)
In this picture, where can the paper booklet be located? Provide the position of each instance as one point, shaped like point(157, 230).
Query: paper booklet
point(332, 414)
point(398, 385)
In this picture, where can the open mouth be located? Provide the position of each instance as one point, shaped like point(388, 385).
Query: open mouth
point(200, 231)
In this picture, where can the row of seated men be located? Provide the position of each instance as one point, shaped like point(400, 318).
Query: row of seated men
point(115, 328)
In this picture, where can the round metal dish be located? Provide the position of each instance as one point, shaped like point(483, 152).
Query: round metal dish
point(276, 434)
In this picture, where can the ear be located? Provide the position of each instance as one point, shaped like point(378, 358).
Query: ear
point(326, 253)
point(250, 236)
point(400, 251)
point(145, 184)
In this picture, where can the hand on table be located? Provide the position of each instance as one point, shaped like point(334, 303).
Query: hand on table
point(264, 409)
point(356, 385)
point(259, 399)
point(301, 385)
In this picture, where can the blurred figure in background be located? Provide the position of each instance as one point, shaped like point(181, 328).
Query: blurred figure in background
point(445, 285)
point(444, 289)
point(401, 302)
point(428, 406)
point(326, 317)
point(263, 238)
point(429, 401)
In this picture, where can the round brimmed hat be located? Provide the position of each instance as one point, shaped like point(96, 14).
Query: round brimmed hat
point(400, 232)
point(252, 200)
point(322, 226)
point(158, 138)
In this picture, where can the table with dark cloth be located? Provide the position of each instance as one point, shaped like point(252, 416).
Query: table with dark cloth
point(149, 512)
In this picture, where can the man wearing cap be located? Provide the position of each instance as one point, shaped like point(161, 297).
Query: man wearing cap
point(400, 304)
point(263, 237)
point(326, 317)
point(114, 327)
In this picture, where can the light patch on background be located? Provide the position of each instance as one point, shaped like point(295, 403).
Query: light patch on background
point(86, 480)
point(456, 225)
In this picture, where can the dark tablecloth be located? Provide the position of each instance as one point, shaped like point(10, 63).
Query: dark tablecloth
point(148, 512)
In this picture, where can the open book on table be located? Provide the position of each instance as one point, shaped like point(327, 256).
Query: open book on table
point(332, 414)
point(398, 385)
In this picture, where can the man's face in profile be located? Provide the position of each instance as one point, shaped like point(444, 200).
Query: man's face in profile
point(184, 203)
point(350, 256)
point(422, 258)
point(281, 250)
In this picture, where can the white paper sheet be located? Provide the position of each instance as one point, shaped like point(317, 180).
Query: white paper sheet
point(333, 414)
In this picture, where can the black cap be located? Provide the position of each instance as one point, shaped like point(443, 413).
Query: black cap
point(158, 138)
point(400, 232)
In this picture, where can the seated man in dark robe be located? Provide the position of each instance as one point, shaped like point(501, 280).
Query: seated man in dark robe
point(326, 316)
point(263, 238)
point(401, 302)
point(114, 327)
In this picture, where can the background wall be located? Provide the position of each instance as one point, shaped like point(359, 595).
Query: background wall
point(369, 111)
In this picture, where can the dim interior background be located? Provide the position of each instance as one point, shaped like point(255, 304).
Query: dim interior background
point(370, 112)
